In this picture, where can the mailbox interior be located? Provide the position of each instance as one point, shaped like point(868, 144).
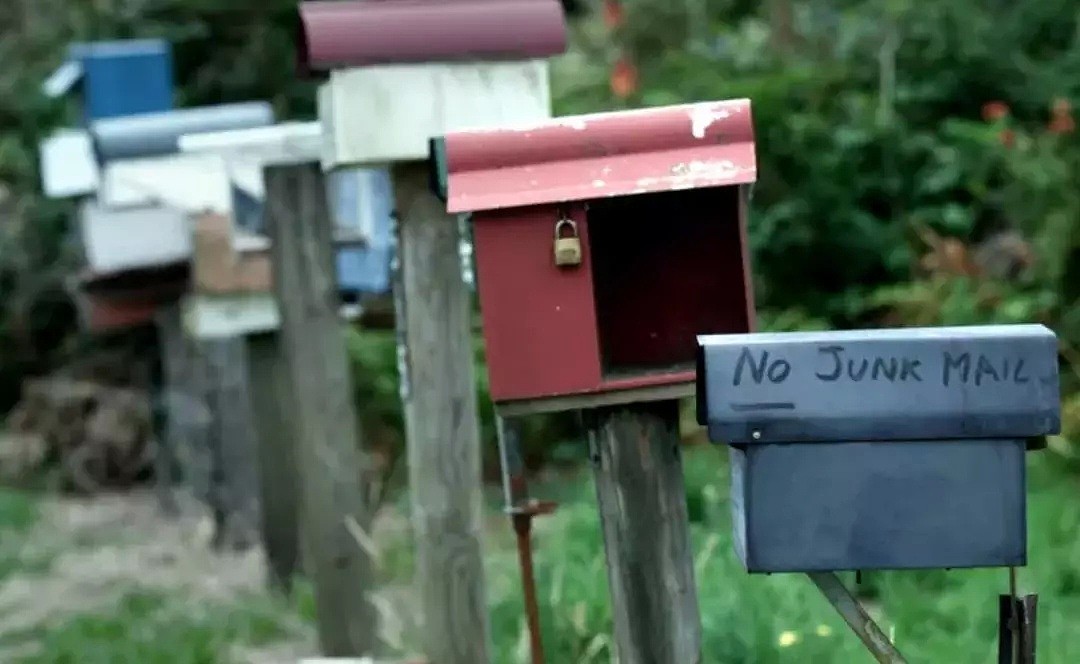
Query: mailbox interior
point(666, 267)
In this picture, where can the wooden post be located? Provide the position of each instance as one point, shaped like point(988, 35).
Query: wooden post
point(336, 519)
point(168, 410)
point(442, 431)
point(639, 486)
point(279, 478)
point(234, 475)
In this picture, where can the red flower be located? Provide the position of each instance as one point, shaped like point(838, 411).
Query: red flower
point(613, 13)
point(1061, 121)
point(624, 78)
point(995, 110)
point(1062, 124)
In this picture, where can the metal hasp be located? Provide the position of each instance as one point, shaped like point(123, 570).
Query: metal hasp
point(881, 449)
point(658, 198)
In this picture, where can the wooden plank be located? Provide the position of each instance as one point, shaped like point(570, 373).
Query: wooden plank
point(442, 430)
point(639, 485)
point(279, 478)
point(234, 476)
point(332, 466)
point(570, 402)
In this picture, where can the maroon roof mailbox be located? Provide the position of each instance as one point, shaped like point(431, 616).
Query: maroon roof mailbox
point(650, 207)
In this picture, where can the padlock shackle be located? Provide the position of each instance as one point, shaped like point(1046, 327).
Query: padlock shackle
point(565, 223)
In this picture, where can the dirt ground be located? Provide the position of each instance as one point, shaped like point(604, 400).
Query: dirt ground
point(93, 550)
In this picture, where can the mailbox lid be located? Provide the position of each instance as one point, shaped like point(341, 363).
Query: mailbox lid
point(337, 34)
point(879, 506)
point(600, 155)
point(998, 381)
point(155, 134)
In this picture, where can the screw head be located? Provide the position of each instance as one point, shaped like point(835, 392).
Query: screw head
point(756, 435)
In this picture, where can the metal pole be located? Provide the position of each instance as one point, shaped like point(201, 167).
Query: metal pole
point(522, 509)
point(856, 617)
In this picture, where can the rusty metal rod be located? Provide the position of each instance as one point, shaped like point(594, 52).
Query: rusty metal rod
point(521, 510)
point(857, 618)
point(523, 530)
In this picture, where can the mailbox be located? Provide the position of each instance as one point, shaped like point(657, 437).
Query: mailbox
point(117, 78)
point(603, 245)
point(406, 71)
point(879, 449)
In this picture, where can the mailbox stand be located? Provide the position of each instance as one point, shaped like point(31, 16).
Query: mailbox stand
point(603, 242)
point(883, 449)
point(420, 69)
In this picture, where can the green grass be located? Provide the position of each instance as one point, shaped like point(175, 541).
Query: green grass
point(18, 513)
point(152, 628)
point(936, 616)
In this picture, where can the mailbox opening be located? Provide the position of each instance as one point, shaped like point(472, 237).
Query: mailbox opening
point(656, 290)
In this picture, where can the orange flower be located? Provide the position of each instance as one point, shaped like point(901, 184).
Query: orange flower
point(1007, 137)
point(613, 13)
point(995, 110)
point(1061, 121)
point(624, 78)
point(1062, 124)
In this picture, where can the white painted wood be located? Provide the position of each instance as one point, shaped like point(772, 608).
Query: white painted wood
point(191, 182)
point(218, 316)
point(386, 114)
point(120, 239)
point(247, 151)
point(68, 167)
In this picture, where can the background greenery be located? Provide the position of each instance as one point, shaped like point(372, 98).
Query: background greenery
point(917, 165)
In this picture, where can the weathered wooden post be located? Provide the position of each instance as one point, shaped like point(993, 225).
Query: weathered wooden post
point(145, 196)
point(246, 152)
point(336, 516)
point(105, 74)
point(883, 450)
point(627, 232)
point(402, 93)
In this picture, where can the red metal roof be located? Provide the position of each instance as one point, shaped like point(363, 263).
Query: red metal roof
point(584, 157)
point(337, 33)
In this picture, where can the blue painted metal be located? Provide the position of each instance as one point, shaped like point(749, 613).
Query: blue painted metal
point(155, 134)
point(365, 270)
point(117, 78)
point(951, 382)
point(908, 456)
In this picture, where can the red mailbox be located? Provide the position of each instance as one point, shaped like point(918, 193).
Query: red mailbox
point(653, 203)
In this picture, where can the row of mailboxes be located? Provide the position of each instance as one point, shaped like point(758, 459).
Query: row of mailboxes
point(612, 266)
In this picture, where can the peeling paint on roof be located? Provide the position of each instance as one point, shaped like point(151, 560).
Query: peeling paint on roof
point(602, 155)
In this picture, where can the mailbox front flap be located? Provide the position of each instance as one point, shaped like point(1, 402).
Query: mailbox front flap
point(997, 381)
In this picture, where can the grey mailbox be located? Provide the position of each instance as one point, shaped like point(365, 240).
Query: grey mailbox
point(879, 449)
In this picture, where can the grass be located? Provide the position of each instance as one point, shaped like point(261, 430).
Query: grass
point(152, 628)
point(934, 616)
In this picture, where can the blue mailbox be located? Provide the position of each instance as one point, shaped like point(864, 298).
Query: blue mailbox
point(879, 449)
point(117, 78)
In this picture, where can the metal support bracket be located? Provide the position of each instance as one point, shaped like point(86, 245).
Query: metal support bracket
point(857, 618)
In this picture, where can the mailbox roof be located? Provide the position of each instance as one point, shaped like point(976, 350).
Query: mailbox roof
point(153, 134)
point(354, 33)
point(623, 153)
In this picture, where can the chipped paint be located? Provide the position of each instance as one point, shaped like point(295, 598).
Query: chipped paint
point(702, 117)
point(617, 153)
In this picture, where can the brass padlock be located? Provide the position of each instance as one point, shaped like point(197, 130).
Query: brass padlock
point(567, 249)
